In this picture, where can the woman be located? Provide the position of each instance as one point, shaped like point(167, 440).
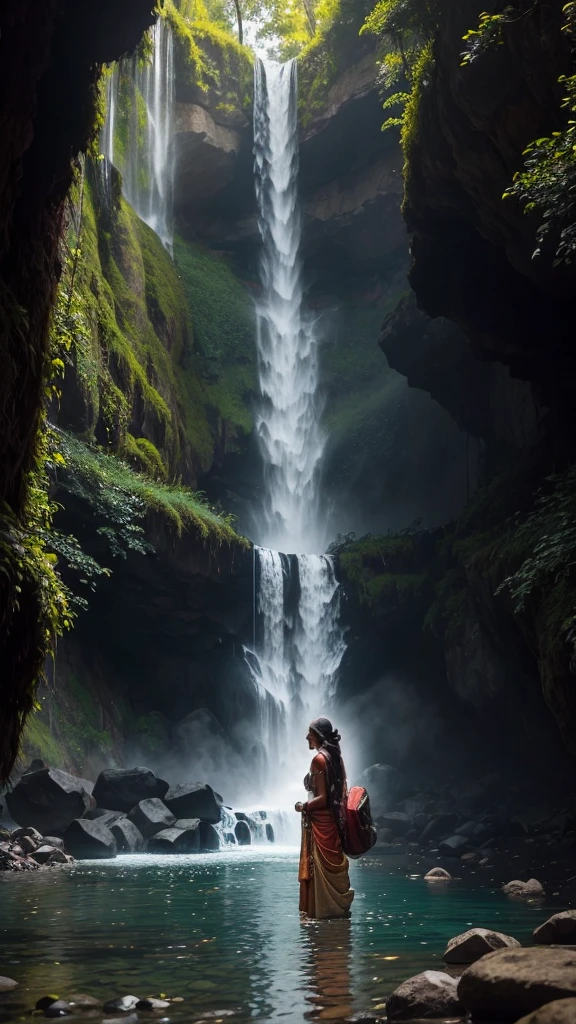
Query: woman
point(324, 883)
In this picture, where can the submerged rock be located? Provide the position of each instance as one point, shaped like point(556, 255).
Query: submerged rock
point(194, 800)
point(175, 840)
point(128, 838)
point(528, 889)
point(151, 816)
point(120, 789)
point(438, 875)
point(510, 982)
point(87, 839)
point(560, 1011)
point(430, 994)
point(476, 942)
point(49, 799)
point(560, 929)
point(7, 984)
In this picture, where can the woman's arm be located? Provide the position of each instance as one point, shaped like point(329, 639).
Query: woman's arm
point(320, 801)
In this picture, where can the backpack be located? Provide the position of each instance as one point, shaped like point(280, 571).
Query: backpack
point(361, 833)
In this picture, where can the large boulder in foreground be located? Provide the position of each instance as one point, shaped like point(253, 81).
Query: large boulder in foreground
point(176, 840)
point(49, 799)
point(194, 800)
point(560, 1011)
point(87, 840)
point(120, 789)
point(511, 982)
point(427, 995)
point(558, 930)
point(150, 817)
point(476, 942)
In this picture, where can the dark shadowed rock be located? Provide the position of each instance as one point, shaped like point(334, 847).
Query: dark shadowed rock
point(175, 840)
point(101, 814)
point(59, 1008)
point(511, 982)
point(49, 799)
point(397, 821)
point(430, 994)
point(151, 816)
point(440, 825)
point(560, 1011)
point(242, 833)
point(87, 839)
point(270, 833)
point(47, 854)
point(454, 846)
point(120, 789)
point(560, 929)
point(194, 800)
point(476, 942)
point(128, 838)
point(209, 838)
point(122, 1004)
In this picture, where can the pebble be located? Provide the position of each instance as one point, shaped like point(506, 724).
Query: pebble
point(7, 984)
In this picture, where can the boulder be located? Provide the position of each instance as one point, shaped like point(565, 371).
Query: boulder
point(209, 838)
point(101, 814)
point(430, 994)
point(194, 800)
point(510, 982)
point(560, 1011)
point(7, 984)
point(476, 942)
point(242, 833)
point(81, 1001)
point(270, 833)
point(89, 839)
point(49, 799)
point(54, 841)
point(151, 816)
point(120, 789)
point(48, 854)
point(530, 889)
point(121, 1004)
point(438, 875)
point(441, 825)
point(559, 930)
point(59, 1008)
point(455, 846)
point(150, 1003)
point(128, 838)
point(397, 821)
point(175, 840)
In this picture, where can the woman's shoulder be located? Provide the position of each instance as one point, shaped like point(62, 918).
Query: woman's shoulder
point(318, 762)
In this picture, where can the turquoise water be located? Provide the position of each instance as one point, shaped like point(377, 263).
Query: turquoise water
point(222, 932)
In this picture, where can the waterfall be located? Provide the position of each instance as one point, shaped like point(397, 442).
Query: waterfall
point(138, 129)
point(298, 639)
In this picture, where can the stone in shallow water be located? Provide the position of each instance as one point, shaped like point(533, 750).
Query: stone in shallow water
point(87, 839)
point(528, 889)
point(150, 1003)
point(81, 1001)
point(175, 840)
point(128, 838)
point(59, 1008)
point(120, 789)
point(560, 929)
point(122, 1004)
point(430, 994)
point(48, 854)
point(7, 984)
point(560, 1011)
point(510, 982)
point(151, 816)
point(209, 838)
point(49, 799)
point(194, 800)
point(476, 942)
point(438, 875)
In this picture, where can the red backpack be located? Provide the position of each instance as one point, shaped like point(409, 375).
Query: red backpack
point(361, 832)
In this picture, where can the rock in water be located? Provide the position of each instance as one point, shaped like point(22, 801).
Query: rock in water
point(175, 840)
point(48, 854)
point(430, 994)
point(242, 833)
point(7, 984)
point(560, 1011)
point(438, 875)
point(528, 890)
point(87, 839)
point(476, 942)
point(120, 789)
point(123, 1004)
point(511, 982)
point(194, 800)
point(558, 930)
point(209, 838)
point(128, 838)
point(150, 817)
point(49, 799)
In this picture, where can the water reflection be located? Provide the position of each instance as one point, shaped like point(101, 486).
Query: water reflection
point(327, 963)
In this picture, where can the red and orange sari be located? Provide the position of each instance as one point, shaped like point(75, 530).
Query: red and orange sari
point(324, 881)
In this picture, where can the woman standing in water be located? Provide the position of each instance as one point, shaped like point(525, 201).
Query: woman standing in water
point(324, 882)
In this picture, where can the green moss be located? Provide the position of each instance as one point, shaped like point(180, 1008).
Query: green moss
point(410, 128)
point(38, 741)
point(144, 456)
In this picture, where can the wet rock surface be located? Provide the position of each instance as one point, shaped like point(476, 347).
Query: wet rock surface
point(560, 929)
point(510, 982)
point(560, 1011)
point(49, 799)
point(476, 942)
point(86, 839)
point(430, 994)
point(119, 789)
point(151, 816)
point(194, 800)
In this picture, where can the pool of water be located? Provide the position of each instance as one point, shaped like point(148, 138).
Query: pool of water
point(222, 933)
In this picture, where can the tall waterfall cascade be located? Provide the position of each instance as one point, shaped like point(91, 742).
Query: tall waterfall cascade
point(298, 640)
point(138, 131)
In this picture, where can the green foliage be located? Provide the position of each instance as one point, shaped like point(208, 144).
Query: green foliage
point(406, 29)
point(121, 498)
point(487, 35)
point(334, 46)
point(38, 741)
point(384, 572)
point(142, 454)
